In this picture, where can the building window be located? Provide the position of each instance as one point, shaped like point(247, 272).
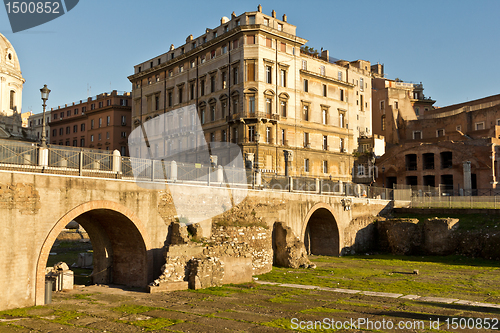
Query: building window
point(280, 27)
point(203, 116)
point(224, 49)
point(306, 85)
point(99, 136)
point(54, 132)
point(124, 120)
point(283, 78)
point(100, 122)
point(250, 71)
point(75, 128)
point(305, 113)
point(324, 116)
point(417, 135)
point(283, 47)
point(459, 128)
point(266, 21)
point(224, 80)
point(55, 116)
point(180, 94)
point(92, 107)
point(157, 103)
point(100, 106)
point(269, 74)
point(342, 95)
point(212, 54)
point(202, 87)
point(324, 90)
point(223, 106)
point(269, 42)
point(339, 76)
point(342, 148)
point(283, 137)
point(250, 39)
point(62, 114)
point(92, 124)
point(123, 134)
point(417, 111)
point(251, 133)
point(361, 84)
point(235, 44)
point(12, 99)
point(306, 165)
point(283, 108)
point(440, 132)
point(304, 65)
point(224, 136)
point(382, 123)
point(325, 166)
point(82, 142)
point(212, 83)
point(307, 144)
point(479, 126)
point(107, 135)
point(268, 134)
point(396, 105)
point(269, 105)
point(212, 112)
point(251, 19)
point(251, 104)
point(382, 105)
point(325, 142)
point(191, 91)
point(68, 113)
point(235, 75)
point(92, 138)
point(342, 119)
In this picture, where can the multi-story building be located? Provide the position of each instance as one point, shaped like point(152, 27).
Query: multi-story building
point(253, 85)
point(36, 125)
point(394, 103)
point(100, 122)
point(457, 146)
point(25, 117)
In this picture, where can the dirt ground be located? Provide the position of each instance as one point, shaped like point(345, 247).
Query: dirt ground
point(241, 308)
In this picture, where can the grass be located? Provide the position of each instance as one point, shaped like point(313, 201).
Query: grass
point(216, 291)
point(133, 309)
point(153, 324)
point(452, 276)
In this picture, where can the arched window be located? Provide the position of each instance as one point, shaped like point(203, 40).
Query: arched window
point(12, 99)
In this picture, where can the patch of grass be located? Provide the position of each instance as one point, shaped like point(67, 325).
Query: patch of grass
point(216, 291)
point(451, 276)
point(64, 317)
point(133, 309)
point(288, 297)
point(279, 323)
point(15, 313)
point(83, 296)
point(321, 310)
point(153, 324)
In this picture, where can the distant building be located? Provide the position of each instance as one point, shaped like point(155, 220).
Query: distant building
point(100, 122)
point(436, 149)
point(11, 92)
point(255, 84)
point(394, 103)
point(24, 118)
point(35, 124)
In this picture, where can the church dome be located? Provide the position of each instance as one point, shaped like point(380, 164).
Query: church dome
point(8, 56)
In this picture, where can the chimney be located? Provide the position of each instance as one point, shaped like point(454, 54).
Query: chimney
point(259, 8)
point(189, 38)
point(233, 15)
point(284, 18)
point(273, 13)
point(172, 47)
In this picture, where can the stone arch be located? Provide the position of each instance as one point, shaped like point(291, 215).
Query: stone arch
point(320, 231)
point(122, 248)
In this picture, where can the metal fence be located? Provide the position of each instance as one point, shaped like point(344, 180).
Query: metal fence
point(459, 202)
point(74, 161)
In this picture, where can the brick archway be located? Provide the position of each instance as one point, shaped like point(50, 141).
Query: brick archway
point(120, 241)
point(320, 231)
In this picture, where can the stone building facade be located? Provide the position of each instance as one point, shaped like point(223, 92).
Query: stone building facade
point(35, 124)
point(394, 103)
point(100, 122)
point(253, 86)
point(437, 148)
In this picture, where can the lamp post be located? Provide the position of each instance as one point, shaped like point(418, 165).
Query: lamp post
point(45, 96)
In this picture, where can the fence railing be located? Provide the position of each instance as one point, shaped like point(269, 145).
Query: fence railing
point(20, 156)
point(459, 202)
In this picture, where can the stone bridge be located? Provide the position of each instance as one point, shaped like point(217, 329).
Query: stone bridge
point(128, 225)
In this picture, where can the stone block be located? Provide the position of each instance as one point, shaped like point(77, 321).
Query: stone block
point(237, 269)
point(289, 251)
point(438, 236)
point(168, 286)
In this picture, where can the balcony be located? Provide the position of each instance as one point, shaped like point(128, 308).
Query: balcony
point(260, 115)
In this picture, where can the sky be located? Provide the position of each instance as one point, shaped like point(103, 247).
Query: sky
point(452, 47)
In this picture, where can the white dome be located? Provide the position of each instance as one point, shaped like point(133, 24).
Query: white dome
point(8, 56)
point(11, 79)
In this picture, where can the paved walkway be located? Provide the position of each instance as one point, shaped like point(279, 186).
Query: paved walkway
point(391, 295)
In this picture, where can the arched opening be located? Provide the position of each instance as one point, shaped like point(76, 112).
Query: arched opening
point(321, 236)
point(120, 246)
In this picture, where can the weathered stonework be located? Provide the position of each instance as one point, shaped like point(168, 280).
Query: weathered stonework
point(289, 251)
point(23, 197)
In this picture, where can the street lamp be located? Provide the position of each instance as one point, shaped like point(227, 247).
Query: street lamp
point(45, 96)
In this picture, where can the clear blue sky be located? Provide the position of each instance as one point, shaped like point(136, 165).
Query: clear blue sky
point(452, 47)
